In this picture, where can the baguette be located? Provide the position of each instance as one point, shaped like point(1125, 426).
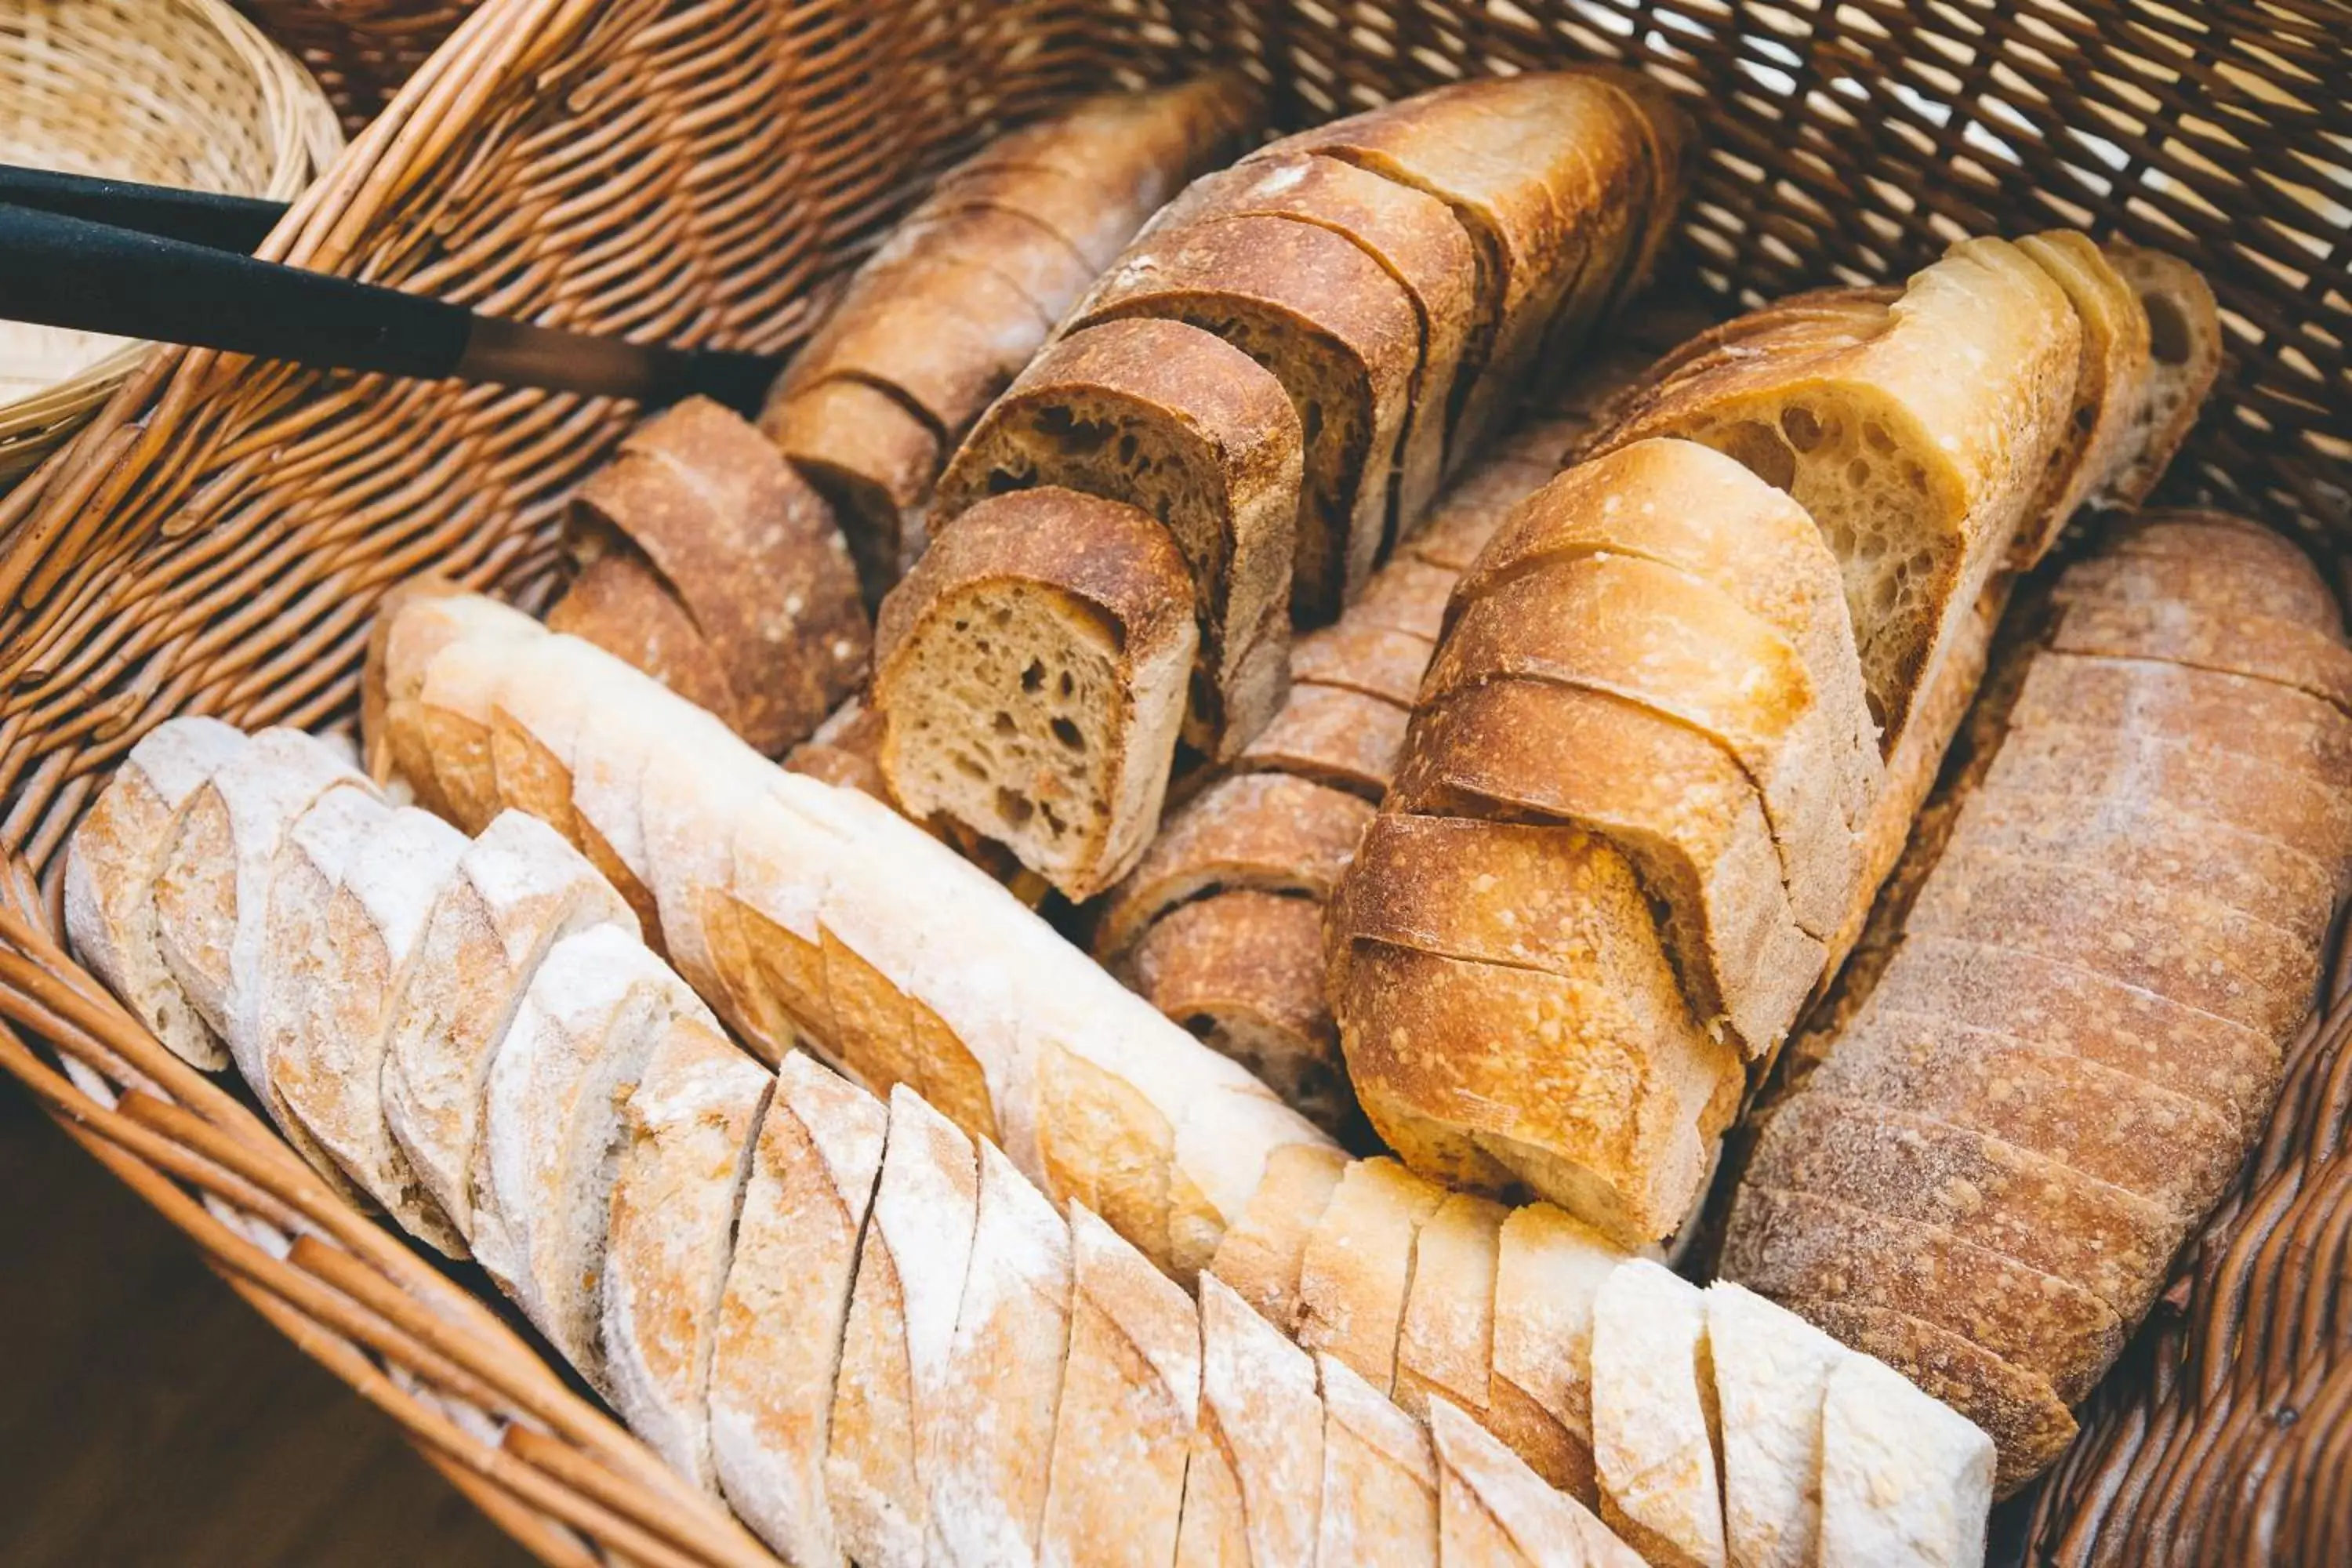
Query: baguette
point(1357, 1268)
point(617, 602)
point(1654, 1421)
point(1253, 1485)
point(1772, 1370)
point(2112, 385)
point(1380, 1476)
point(1086, 675)
point(1491, 1510)
point(1903, 1480)
point(2185, 349)
point(1190, 428)
point(2014, 1115)
point(1336, 736)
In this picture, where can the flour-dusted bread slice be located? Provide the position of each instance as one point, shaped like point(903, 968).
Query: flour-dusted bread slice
point(2113, 385)
point(456, 710)
point(685, 1157)
point(1655, 1424)
point(1266, 832)
point(1338, 333)
point(1243, 972)
point(2185, 349)
point(899, 1336)
point(1357, 656)
point(1674, 802)
point(1771, 1371)
point(1946, 402)
point(1380, 1476)
point(1358, 1269)
point(1510, 1016)
point(1262, 1252)
point(1033, 671)
point(1184, 426)
point(1904, 1479)
point(1549, 1270)
point(1336, 736)
point(620, 603)
point(516, 890)
point(327, 1068)
point(1131, 1403)
point(112, 860)
point(778, 1339)
point(1445, 1342)
point(1538, 169)
point(1254, 1486)
point(872, 457)
point(750, 551)
point(2288, 653)
point(1663, 637)
point(214, 884)
point(1413, 237)
point(597, 1008)
point(414, 622)
point(1493, 1509)
point(986, 1458)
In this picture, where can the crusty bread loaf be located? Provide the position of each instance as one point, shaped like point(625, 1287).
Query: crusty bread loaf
point(2013, 1114)
point(1179, 423)
point(1067, 621)
point(1334, 328)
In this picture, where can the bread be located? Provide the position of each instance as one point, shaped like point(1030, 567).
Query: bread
point(111, 865)
point(1410, 234)
point(1357, 656)
point(1357, 1268)
point(1179, 423)
point(1380, 1476)
point(1085, 681)
point(748, 552)
point(898, 1338)
point(618, 603)
point(777, 1344)
point(1261, 1254)
point(1445, 1341)
point(685, 1157)
point(1654, 1421)
point(413, 620)
point(1540, 170)
point(1491, 1509)
point(2185, 349)
point(1803, 397)
point(1130, 1398)
point(1548, 1269)
point(2112, 385)
point(1334, 328)
point(2018, 1111)
point(1253, 1484)
point(1904, 1480)
point(1335, 737)
point(945, 315)
point(1771, 1370)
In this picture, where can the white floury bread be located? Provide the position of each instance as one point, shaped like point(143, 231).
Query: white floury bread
point(1654, 1417)
point(1907, 1482)
point(1252, 1492)
point(1771, 1370)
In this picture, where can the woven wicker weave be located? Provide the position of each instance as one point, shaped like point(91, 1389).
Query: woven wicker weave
point(176, 93)
point(360, 51)
point(698, 169)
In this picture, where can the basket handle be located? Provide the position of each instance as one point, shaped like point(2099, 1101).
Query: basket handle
point(60, 270)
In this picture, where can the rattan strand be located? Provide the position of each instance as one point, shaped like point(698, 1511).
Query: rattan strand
point(216, 540)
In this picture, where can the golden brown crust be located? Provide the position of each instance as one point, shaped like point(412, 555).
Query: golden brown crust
point(622, 605)
point(1358, 656)
point(869, 456)
point(1333, 736)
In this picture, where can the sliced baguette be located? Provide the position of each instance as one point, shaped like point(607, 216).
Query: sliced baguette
point(1656, 1428)
point(1380, 1476)
point(1254, 1486)
point(2112, 385)
point(1445, 1341)
point(1905, 1480)
point(1549, 1270)
point(1335, 737)
point(414, 622)
point(1357, 1272)
point(872, 461)
point(2185, 349)
point(1262, 1252)
point(1357, 656)
point(1493, 1509)
point(619, 603)
point(1771, 1371)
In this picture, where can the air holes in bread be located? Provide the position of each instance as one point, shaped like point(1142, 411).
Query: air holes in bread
point(1758, 448)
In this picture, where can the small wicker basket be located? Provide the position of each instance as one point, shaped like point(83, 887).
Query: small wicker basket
point(217, 540)
point(172, 92)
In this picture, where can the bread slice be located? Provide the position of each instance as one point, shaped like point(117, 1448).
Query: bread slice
point(1269, 832)
point(328, 1068)
point(1130, 1402)
point(1243, 972)
point(2287, 653)
point(1357, 1272)
point(213, 885)
point(685, 1157)
point(984, 1457)
point(619, 603)
point(898, 1341)
point(2068, 1222)
point(1261, 1254)
point(1662, 637)
point(1655, 1424)
point(1905, 1480)
point(1446, 1341)
point(456, 711)
point(1493, 1509)
point(2185, 347)
point(548, 1151)
point(872, 458)
point(2196, 534)
point(2030, 1425)
point(1338, 333)
point(1771, 1371)
point(1472, 508)
point(1674, 802)
point(1407, 596)
point(1538, 169)
point(1380, 1476)
point(1177, 421)
point(2299, 595)
point(1507, 984)
point(2112, 385)
point(1335, 737)
point(1413, 237)
point(1079, 661)
point(777, 1342)
point(955, 334)
point(1254, 1486)
point(112, 861)
point(1549, 1270)
point(1948, 462)
point(1356, 656)
point(414, 622)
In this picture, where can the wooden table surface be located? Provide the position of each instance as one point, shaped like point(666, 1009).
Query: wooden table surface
point(148, 1416)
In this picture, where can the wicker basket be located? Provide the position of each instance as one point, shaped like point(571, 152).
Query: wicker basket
point(176, 93)
point(359, 50)
point(695, 169)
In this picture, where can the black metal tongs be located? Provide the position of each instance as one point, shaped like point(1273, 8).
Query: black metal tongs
point(148, 261)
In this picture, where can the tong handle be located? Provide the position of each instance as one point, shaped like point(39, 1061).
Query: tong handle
point(198, 218)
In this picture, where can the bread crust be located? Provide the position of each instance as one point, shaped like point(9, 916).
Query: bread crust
point(1380, 1476)
point(2111, 385)
point(1335, 737)
point(1253, 1489)
point(1654, 1417)
point(1356, 656)
point(871, 457)
point(1357, 1268)
point(1261, 1253)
